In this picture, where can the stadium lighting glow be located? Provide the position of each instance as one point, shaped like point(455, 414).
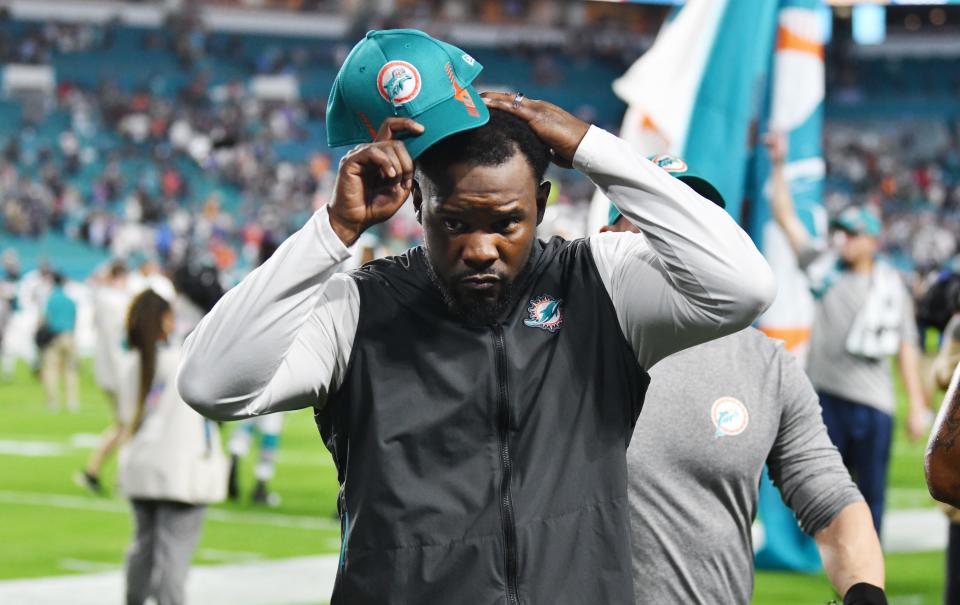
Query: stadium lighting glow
point(667, 2)
point(890, 2)
point(869, 24)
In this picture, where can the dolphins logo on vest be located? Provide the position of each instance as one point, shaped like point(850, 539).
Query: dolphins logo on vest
point(730, 417)
point(545, 312)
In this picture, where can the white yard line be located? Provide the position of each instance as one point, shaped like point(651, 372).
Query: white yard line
point(33, 446)
point(33, 449)
point(83, 565)
point(913, 530)
point(42, 446)
point(299, 581)
point(916, 530)
point(228, 556)
point(213, 514)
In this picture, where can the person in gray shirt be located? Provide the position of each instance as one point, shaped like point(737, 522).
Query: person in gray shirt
point(863, 316)
point(693, 480)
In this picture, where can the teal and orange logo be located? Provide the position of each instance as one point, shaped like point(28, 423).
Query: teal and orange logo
point(545, 312)
point(670, 163)
point(462, 94)
point(730, 417)
point(398, 82)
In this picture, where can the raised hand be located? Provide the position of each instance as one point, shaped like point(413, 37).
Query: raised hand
point(373, 181)
point(560, 130)
point(776, 143)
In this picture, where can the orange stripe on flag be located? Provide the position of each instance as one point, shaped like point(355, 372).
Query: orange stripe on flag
point(791, 337)
point(788, 40)
point(647, 124)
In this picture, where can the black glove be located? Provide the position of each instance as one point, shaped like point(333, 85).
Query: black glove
point(865, 594)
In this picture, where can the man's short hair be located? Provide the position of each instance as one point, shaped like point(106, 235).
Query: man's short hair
point(492, 144)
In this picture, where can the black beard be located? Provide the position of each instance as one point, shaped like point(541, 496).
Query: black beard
point(472, 312)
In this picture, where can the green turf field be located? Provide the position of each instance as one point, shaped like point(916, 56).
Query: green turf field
point(43, 535)
point(52, 527)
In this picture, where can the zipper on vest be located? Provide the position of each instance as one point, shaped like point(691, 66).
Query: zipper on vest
point(344, 527)
point(506, 499)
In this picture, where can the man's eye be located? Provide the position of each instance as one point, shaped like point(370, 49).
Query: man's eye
point(507, 225)
point(452, 224)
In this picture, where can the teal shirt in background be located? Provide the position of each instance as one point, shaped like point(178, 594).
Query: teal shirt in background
point(61, 312)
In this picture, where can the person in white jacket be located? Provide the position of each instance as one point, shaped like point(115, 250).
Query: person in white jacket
point(172, 464)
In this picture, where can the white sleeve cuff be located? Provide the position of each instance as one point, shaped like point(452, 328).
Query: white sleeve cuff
point(328, 237)
point(590, 146)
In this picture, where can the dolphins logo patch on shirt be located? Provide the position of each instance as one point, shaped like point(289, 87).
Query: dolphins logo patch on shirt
point(545, 312)
point(730, 417)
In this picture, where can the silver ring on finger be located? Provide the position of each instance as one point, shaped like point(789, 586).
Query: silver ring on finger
point(517, 100)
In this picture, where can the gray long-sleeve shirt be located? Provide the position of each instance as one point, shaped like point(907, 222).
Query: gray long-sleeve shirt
point(714, 414)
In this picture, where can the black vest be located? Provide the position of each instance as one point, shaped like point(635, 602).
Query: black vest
point(485, 464)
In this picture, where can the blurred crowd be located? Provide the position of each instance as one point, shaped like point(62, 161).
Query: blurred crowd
point(197, 168)
point(910, 170)
point(192, 170)
point(217, 135)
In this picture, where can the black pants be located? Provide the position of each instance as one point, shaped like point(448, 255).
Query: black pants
point(952, 590)
point(863, 436)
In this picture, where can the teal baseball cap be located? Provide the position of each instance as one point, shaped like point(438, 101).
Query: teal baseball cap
point(404, 73)
point(678, 168)
point(860, 220)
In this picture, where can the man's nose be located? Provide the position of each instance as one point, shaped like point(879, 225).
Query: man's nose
point(480, 252)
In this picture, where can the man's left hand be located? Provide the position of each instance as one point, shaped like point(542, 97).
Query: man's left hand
point(560, 130)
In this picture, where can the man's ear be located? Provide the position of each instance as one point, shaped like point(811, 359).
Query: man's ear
point(543, 192)
point(417, 199)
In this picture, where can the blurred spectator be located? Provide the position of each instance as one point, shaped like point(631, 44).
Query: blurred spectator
point(149, 276)
point(8, 305)
point(111, 298)
point(59, 362)
point(171, 467)
point(863, 317)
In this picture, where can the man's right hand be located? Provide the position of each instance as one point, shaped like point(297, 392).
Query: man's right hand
point(373, 181)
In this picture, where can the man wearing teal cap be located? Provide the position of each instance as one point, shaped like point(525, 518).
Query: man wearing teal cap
point(863, 315)
point(478, 392)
